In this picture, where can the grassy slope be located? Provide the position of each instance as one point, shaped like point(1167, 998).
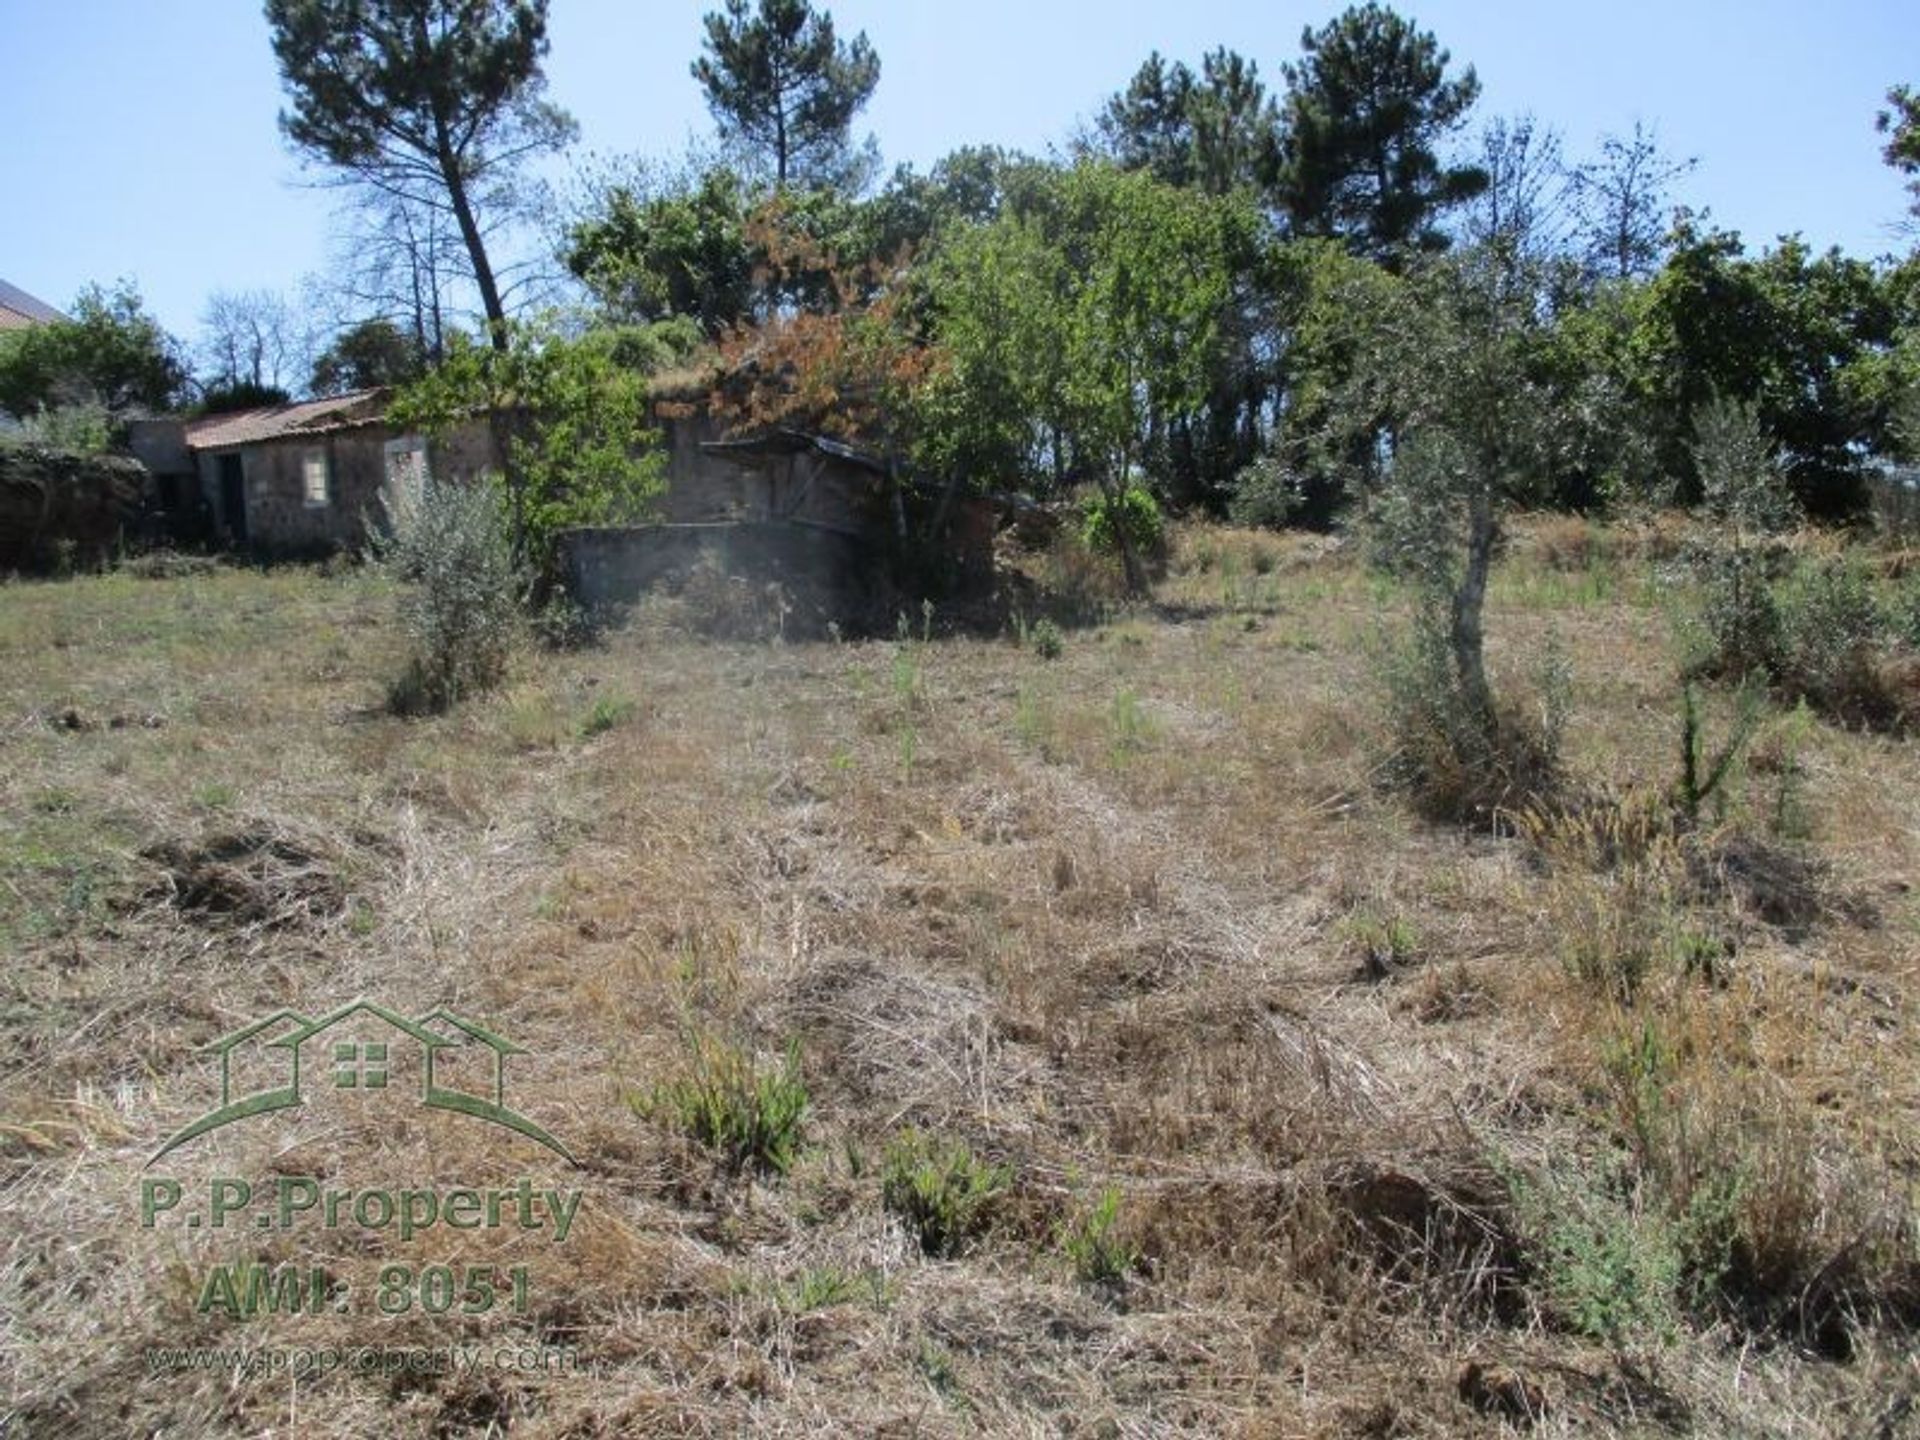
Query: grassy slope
point(1136, 918)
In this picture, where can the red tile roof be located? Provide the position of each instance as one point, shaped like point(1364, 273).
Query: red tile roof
point(275, 422)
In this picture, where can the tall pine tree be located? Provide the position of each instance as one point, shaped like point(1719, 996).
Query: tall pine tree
point(1368, 105)
point(431, 101)
point(782, 85)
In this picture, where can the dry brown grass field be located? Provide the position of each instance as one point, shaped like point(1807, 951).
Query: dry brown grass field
point(1165, 1073)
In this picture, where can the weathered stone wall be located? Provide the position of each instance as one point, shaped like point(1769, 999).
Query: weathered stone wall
point(463, 455)
point(824, 575)
point(280, 520)
point(57, 507)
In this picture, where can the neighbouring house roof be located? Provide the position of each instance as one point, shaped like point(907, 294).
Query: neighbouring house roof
point(277, 422)
point(18, 309)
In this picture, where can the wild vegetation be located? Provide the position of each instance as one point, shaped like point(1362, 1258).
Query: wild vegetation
point(962, 1033)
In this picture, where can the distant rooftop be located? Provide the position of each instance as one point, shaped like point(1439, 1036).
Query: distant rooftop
point(18, 309)
point(273, 422)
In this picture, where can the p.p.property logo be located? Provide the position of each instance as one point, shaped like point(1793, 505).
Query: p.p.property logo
point(369, 1044)
point(288, 1060)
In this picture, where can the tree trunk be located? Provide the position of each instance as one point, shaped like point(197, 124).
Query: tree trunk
point(456, 183)
point(476, 250)
point(1136, 577)
point(1469, 600)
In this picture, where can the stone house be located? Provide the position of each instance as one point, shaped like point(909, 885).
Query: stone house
point(818, 516)
point(302, 478)
point(829, 523)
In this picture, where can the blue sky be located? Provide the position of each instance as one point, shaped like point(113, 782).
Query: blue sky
point(141, 140)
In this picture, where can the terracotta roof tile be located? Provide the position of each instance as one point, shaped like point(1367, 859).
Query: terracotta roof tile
point(273, 422)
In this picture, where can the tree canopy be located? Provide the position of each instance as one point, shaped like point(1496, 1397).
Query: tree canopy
point(111, 353)
point(1369, 104)
point(1218, 130)
point(782, 86)
point(373, 352)
point(434, 101)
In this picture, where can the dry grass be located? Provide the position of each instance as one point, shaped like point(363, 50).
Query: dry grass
point(1103, 922)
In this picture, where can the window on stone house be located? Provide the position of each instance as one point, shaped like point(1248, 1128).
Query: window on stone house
point(313, 475)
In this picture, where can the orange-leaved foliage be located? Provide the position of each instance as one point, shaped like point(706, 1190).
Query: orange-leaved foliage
point(835, 347)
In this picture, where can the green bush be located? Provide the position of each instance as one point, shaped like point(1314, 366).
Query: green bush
point(943, 1193)
point(1901, 614)
point(1133, 512)
point(86, 428)
point(1266, 495)
point(1093, 1246)
point(1455, 763)
point(460, 602)
point(751, 1115)
point(609, 712)
point(1741, 631)
point(1832, 625)
point(1046, 639)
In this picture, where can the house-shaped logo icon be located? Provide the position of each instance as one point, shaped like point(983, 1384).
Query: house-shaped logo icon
point(352, 1061)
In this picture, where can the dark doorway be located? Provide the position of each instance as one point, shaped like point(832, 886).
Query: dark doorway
point(233, 497)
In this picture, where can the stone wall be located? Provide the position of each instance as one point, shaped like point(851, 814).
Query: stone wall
point(59, 508)
point(281, 521)
point(823, 575)
point(279, 518)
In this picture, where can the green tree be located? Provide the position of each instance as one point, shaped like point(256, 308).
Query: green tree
point(371, 353)
point(436, 101)
point(1322, 449)
point(1900, 123)
point(580, 449)
point(1071, 335)
point(1147, 126)
point(1784, 330)
point(110, 353)
point(1367, 107)
point(681, 252)
point(780, 83)
point(1452, 384)
point(1217, 130)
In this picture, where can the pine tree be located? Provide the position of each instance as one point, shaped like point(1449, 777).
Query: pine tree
point(781, 84)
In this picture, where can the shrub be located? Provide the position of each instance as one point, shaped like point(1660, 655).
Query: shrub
point(86, 428)
point(1455, 762)
point(1133, 512)
point(1608, 1273)
point(1046, 639)
point(609, 712)
point(1265, 495)
point(1386, 942)
point(1740, 626)
point(1832, 627)
point(941, 1190)
point(461, 602)
point(1902, 614)
point(1895, 505)
point(1093, 1246)
point(1705, 775)
point(751, 1115)
point(1741, 482)
point(563, 624)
